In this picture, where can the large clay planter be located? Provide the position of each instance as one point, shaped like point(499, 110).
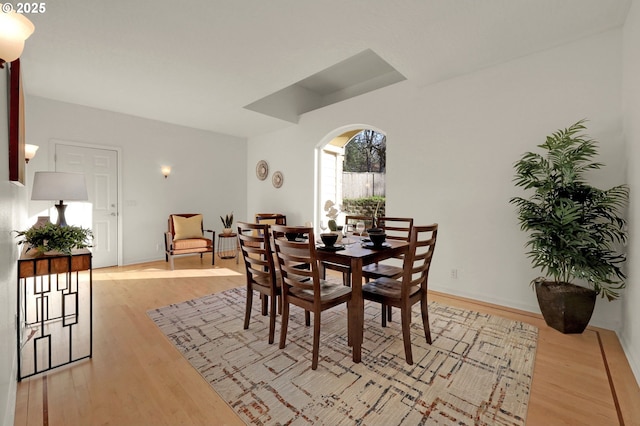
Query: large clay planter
point(565, 307)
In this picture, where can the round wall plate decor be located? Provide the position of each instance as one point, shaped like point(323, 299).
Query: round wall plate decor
point(262, 170)
point(277, 179)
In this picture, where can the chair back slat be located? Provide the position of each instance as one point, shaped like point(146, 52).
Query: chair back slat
point(271, 218)
point(396, 228)
point(255, 246)
point(418, 260)
point(297, 259)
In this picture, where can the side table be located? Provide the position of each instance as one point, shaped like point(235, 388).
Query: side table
point(228, 246)
point(55, 311)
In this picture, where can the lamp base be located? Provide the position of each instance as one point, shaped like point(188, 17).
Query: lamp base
point(61, 219)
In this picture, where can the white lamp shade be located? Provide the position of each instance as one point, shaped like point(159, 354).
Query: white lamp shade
point(59, 186)
point(14, 30)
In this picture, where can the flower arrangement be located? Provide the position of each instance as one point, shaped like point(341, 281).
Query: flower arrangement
point(332, 211)
point(51, 237)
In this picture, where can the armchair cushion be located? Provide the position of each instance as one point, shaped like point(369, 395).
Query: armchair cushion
point(187, 227)
point(191, 244)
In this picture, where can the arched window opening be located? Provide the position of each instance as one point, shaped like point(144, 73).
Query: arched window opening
point(352, 174)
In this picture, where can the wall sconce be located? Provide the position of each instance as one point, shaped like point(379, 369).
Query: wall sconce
point(14, 30)
point(29, 151)
point(166, 171)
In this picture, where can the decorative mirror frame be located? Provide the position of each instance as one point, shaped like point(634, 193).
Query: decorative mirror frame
point(277, 179)
point(16, 125)
point(262, 170)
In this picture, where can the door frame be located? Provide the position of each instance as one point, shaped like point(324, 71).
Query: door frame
point(53, 143)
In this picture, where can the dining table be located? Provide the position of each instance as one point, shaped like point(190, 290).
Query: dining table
point(356, 254)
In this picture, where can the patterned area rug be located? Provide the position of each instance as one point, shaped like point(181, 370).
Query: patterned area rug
point(477, 371)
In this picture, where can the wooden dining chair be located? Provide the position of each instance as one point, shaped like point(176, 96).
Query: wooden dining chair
point(411, 288)
point(349, 220)
point(352, 219)
point(396, 228)
point(262, 275)
point(303, 287)
point(271, 218)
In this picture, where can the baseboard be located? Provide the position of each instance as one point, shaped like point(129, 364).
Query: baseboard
point(632, 357)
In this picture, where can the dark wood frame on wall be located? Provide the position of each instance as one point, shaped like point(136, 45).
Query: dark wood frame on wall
point(16, 125)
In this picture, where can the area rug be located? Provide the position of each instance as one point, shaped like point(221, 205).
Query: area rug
point(477, 371)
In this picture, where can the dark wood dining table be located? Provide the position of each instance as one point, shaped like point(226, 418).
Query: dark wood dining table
point(356, 256)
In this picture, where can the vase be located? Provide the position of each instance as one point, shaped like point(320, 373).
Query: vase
point(227, 231)
point(565, 307)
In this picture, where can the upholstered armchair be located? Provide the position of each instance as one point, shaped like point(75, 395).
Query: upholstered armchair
point(186, 236)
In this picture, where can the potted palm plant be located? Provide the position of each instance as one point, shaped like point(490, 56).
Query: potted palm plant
point(574, 228)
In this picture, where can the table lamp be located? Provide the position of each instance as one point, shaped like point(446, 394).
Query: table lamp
point(59, 186)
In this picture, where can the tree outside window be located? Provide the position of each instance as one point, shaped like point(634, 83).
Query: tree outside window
point(366, 152)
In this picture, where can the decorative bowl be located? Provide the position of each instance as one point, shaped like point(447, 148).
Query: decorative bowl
point(377, 238)
point(291, 236)
point(329, 239)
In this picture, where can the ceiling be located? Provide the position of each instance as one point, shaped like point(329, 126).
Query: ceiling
point(200, 63)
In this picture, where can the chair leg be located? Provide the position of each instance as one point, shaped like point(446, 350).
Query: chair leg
point(272, 318)
point(307, 318)
point(384, 315)
point(316, 340)
point(346, 279)
point(349, 337)
point(265, 304)
point(171, 265)
point(285, 323)
point(247, 312)
point(424, 308)
point(405, 314)
point(389, 312)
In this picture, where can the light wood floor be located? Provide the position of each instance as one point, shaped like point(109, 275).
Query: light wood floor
point(136, 377)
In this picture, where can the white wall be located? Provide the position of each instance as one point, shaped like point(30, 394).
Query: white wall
point(208, 169)
point(13, 208)
point(209, 176)
point(451, 149)
point(630, 335)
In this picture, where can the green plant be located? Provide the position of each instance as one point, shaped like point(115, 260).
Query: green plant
point(55, 237)
point(573, 227)
point(227, 220)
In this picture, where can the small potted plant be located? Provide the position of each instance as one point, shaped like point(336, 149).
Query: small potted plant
point(574, 228)
point(227, 222)
point(55, 239)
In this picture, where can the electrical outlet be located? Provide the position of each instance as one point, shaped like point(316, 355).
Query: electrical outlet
point(454, 274)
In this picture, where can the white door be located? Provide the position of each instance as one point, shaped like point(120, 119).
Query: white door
point(100, 167)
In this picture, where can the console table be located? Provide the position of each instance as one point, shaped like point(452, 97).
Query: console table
point(55, 310)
